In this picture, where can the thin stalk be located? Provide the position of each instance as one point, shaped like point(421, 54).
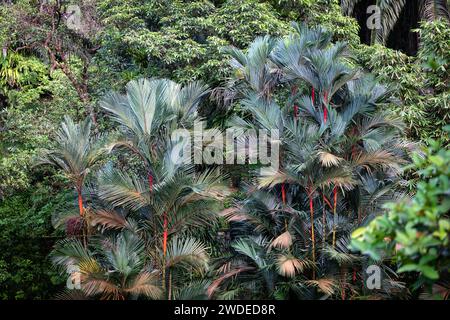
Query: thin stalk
point(325, 110)
point(165, 234)
point(170, 286)
point(294, 92)
point(343, 280)
point(164, 250)
point(313, 96)
point(324, 228)
point(80, 201)
point(81, 209)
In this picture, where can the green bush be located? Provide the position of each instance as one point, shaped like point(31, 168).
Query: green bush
point(423, 107)
point(415, 233)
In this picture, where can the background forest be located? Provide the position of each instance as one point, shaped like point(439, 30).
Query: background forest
point(89, 95)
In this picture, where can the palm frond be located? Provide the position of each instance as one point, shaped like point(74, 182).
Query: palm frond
point(196, 290)
point(216, 283)
point(74, 294)
point(69, 252)
point(329, 159)
point(289, 266)
point(327, 286)
point(94, 286)
point(283, 241)
point(109, 220)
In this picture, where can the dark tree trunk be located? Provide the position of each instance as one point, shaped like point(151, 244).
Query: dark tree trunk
point(401, 37)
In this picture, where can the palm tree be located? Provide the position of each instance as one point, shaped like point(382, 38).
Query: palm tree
point(166, 200)
point(180, 200)
point(253, 70)
point(112, 268)
point(76, 151)
point(390, 12)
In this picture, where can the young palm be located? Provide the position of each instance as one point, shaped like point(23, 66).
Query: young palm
point(113, 268)
point(75, 152)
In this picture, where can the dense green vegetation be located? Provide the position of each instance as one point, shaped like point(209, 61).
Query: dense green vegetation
point(88, 106)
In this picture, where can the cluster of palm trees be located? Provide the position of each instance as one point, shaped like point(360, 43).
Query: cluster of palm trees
point(144, 219)
point(139, 210)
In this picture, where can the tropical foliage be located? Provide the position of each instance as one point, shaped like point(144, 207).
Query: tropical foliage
point(340, 158)
point(415, 234)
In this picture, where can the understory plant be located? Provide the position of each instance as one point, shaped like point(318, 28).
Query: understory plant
point(340, 162)
point(414, 233)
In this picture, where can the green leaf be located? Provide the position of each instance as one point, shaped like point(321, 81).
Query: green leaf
point(429, 272)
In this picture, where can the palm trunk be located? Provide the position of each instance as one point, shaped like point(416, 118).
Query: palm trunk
point(283, 193)
point(81, 211)
point(80, 201)
point(164, 250)
point(334, 216)
point(343, 280)
point(294, 92)
point(325, 110)
point(313, 96)
point(165, 234)
point(313, 239)
point(324, 228)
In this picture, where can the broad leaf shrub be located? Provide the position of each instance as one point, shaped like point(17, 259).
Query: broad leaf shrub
point(415, 233)
point(420, 83)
